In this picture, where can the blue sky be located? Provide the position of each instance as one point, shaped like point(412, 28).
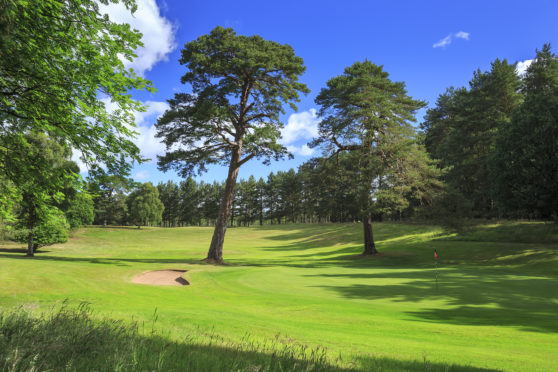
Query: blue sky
point(430, 45)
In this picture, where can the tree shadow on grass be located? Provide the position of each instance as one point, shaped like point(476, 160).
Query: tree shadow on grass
point(472, 297)
point(21, 250)
point(322, 236)
point(509, 232)
point(104, 261)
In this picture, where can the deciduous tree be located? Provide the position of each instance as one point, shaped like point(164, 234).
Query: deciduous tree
point(145, 206)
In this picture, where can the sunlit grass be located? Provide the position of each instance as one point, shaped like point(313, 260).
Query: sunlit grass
point(494, 307)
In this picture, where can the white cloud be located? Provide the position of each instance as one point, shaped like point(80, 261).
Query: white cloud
point(142, 175)
point(521, 67)
point(462, 35)
point(442, 43)
point(448, 39)
point(303, 150)
point(158, 32)
point(302, 125)
point(149, 145)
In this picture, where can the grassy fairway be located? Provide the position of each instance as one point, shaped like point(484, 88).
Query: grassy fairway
point(495, 307)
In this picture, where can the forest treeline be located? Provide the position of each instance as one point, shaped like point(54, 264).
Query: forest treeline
point(497, 140)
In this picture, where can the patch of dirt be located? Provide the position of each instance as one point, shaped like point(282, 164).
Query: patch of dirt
point(161, 277)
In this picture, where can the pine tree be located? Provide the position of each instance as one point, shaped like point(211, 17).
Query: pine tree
point(365, 112)
point(239, 85)
point(526, 158)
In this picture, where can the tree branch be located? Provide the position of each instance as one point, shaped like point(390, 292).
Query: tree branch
point(343, 147)
point(248, 157)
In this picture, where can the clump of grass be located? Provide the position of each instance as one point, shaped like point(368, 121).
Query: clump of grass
point(71, 339)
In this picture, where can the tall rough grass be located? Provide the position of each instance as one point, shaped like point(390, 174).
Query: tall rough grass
point(71, 339)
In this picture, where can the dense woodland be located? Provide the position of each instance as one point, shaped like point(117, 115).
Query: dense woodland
point(488, 150)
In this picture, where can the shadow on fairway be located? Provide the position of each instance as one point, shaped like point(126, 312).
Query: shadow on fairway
point(21, 250)
point(304, 237)
point(473, 297)
point(101, 261)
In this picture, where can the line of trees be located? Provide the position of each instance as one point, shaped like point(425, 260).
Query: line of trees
point(322, 190)
point(498, 141)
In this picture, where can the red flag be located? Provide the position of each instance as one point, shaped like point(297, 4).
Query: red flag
point(435, 254)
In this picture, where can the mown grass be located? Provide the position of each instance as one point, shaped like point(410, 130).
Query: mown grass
point(495, 306)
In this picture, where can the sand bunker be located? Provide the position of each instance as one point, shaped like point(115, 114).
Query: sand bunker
point(161, 277)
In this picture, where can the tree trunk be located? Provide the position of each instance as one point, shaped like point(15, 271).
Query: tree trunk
point(369, 246)
point(215, 252)
point(30, 245)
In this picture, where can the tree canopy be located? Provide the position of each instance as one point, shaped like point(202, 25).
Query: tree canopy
point(60, 64)
point(525, 163)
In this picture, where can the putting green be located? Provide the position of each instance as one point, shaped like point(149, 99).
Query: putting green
point(495, 305)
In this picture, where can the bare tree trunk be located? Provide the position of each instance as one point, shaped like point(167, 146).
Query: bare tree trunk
point(369, 246)
point(215, 252)
point(30, 245)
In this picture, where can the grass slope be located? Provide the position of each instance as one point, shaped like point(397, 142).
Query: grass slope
point(495, 306)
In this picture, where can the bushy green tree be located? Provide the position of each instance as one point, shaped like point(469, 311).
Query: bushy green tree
point(169, 194)
point(461, 132)
point(81, 210)
point(9, 199)
point(190, 200)
point(37, 168)
point(145, 206)
point(58, 61)
point(51, 229)
point(109, 196)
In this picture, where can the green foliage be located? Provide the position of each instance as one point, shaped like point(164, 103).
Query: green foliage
point(9, 199)
point(190, 199)
point(169, 194)
point(38, 168)
point(239, 84)
point(57, 62)
point(461, 131)
point(81, 210)
point(525, 165)
point(144, 205)
point(53, 228)
point(109, 196)
point(364, 112)
point(210, 195)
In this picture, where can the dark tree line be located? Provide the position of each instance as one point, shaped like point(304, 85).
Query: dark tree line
point(321, 191)
point(498, 141)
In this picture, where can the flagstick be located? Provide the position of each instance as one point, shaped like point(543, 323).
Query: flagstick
point(436, 265)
